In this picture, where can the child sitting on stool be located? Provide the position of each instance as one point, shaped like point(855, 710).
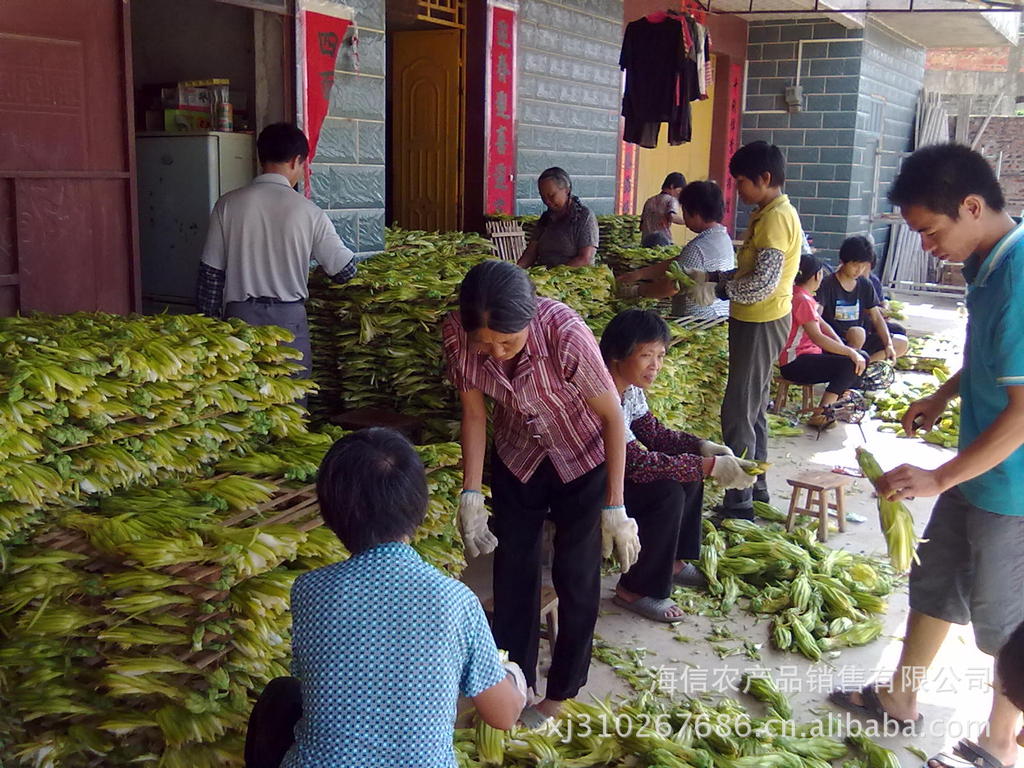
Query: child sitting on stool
point(814, 352)
point(851, 305)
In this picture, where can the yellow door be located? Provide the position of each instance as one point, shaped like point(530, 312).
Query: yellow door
point(425, 137)
point(692, 159)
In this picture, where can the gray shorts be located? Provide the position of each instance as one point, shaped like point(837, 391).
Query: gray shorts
point(971, 570)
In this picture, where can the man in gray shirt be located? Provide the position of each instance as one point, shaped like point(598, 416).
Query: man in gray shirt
point(261, 240)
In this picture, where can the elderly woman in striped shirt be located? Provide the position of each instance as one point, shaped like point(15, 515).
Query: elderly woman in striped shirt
point(558, 454)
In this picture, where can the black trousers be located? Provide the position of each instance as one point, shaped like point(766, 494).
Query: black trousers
point(271, 725)
point(520, 510)
point(668, 514)
point(838, 370)
point(873, 343)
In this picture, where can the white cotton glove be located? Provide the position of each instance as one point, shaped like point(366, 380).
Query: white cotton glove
point(476, 536)
point(709, 449)
point(698, 276)
point(620, 532)
point(730, 472)
point(518, 677)
point(702, 293)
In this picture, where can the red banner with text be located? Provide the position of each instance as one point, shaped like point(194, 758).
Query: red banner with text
point(323, 38)
point(500, 192)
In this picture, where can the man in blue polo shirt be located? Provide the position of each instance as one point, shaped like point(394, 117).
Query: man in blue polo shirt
point(971, 565)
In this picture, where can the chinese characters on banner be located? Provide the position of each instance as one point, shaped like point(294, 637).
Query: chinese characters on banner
point(321, 37)
point(501, 146)
point(626, 196)
point(732, 140)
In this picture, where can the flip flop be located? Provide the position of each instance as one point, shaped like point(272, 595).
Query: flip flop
point(650, 608)
point(533, 719)
point(948, 760)
point(975, 755)
point(689, 576)
point(872, 708)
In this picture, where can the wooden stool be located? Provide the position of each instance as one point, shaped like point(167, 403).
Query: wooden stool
point(817, 484)
point(548, 613)
point(782, 395)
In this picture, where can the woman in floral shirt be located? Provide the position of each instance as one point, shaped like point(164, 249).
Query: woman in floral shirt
point(665, 471)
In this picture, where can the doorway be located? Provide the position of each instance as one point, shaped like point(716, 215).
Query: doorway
point(208, 75)
point(426, 114)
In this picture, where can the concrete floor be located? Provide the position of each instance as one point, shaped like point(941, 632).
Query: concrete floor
point(957, 695)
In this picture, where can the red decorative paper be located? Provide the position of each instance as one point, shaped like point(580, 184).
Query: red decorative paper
point(500, 192)
point(732, 141)
point(625, 201)
point(323, 39)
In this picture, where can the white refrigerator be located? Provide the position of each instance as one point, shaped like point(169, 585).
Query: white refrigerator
point(180, 177)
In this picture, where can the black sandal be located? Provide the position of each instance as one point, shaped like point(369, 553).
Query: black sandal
point(975, 755)
point(872, 708)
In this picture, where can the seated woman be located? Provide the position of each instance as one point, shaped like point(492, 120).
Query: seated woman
point(710, 251)
point(665, 471)
point(567, 231)
point(382, 644)
point(814, 353)
point(852, 306)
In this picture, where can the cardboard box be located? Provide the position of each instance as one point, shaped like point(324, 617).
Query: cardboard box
point(186, 121)
point(199, 95)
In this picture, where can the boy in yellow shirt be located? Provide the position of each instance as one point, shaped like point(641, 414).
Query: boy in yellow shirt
point(760, 292)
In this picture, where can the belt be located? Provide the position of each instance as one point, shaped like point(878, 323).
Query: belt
point(270, 300)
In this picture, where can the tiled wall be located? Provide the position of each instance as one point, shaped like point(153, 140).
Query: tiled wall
point(858, 84)
point(348, 175)
point(568, 98)
point(819, 140)
point(891, 76)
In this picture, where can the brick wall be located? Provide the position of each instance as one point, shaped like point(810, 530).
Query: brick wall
point(819, 140)
point(1006, 135)
point(861, 85)
point(891, 74)
point(348, 175)
point(568, 98)
point(968, 59)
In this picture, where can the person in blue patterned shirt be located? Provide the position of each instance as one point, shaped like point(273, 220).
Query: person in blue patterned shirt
point(383, 644)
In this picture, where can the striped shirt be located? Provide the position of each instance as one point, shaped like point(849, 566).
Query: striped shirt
point(805, 310)
point(541, 412)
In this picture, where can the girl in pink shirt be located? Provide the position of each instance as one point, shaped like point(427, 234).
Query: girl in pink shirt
point(814, 353)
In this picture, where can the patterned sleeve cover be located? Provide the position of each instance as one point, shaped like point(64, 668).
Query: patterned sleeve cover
point(644, 466)
point(672, 453)
point(657, 437)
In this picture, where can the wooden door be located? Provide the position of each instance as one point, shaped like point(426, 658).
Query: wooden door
point(425, 144)
point(692, 159)
point(66, 200)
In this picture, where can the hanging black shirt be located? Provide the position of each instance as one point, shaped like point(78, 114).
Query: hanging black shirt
point(652, 55)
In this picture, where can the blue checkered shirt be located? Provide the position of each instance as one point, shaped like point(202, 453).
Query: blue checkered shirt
point(383, 645)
